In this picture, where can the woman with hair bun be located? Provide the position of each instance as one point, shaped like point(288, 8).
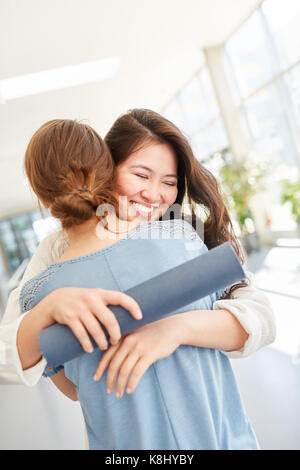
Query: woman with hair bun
point(190, 360)
point(70, 169)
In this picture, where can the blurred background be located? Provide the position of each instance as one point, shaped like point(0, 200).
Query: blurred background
point(227, 72)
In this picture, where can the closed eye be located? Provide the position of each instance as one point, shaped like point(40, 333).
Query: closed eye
point(142, 176)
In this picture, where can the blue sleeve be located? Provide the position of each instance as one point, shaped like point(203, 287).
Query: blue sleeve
point(49, 371)
point(219, 293)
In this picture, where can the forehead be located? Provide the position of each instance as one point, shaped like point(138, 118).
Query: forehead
point(158, 157)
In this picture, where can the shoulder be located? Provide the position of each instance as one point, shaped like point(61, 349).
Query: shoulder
point(31, 288)
point(48, 251)
point(53, 246)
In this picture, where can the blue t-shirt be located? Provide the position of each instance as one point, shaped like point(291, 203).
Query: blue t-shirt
point(188, 400)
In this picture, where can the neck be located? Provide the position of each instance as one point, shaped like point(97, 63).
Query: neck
point(84, 231)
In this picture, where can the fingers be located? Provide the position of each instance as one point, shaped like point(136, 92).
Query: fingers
point(86, 313)
point(107, 317)
point(140, 368)
point(93, 327)
point(114, 369)
point(127, 365)
point(82, 336)
point(132, 368)
point(125, 371)
point(109, 321)
point(119, 298)
point(105, 359)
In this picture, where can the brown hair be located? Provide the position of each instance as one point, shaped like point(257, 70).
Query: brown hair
point(70, 168)
point(138, 127)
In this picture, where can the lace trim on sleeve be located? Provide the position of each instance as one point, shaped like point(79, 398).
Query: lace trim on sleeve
point(50, 371)
point(31, 288)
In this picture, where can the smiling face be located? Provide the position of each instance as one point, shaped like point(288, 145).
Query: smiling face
point(147, 180)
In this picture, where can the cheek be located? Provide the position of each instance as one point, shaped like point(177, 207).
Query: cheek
point(171, 196)
point(168, 200)
point(126, 185)
point(124, 189)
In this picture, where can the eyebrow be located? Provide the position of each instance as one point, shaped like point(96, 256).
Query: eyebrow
point(151, 171)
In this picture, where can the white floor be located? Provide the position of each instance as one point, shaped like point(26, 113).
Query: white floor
point(269, 380)
point(269, 383)
point(39, 418)
point(277, 273)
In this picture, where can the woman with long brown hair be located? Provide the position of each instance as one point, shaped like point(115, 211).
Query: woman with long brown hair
point(196, 186)
point(133, 141)
point(164, 180)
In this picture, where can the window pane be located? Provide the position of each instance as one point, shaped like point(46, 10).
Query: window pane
point(197, 109)
point(209, 140)
point(211, 105)
point(250, 55)
point(194, 107)
point(283, 17)
point(272, 141)
point(173, 112)
point(293, 83)
point(19, 236)
point(269, 127)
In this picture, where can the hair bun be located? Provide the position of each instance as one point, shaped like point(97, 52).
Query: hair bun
point(72, 209)
point(79, 195)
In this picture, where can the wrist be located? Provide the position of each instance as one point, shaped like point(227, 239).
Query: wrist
point(27, 337)
point(181, 330)
point(42, 313)
point(191, 326)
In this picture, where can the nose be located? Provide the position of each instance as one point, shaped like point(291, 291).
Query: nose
point(152, 194)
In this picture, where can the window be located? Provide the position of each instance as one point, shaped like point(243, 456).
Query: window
point(174, 113)
point(262, 59)
point(283, 22)
point(250, 55)
point(195, 111)
point(292, 80)
point(269, 126)
point(21, 234)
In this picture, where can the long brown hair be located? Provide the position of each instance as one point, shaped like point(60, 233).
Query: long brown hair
point(70, 169)
point(137, 128)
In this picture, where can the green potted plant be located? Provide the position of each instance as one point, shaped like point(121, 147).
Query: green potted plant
point(239, 181)
point(291, 195)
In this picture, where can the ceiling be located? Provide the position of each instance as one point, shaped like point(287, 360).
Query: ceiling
point(159, 43)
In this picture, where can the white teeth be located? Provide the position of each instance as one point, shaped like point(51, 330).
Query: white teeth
point(143, 208)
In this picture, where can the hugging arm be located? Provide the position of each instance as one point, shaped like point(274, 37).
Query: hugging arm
point(11, 370)
point(253, 310)
point(65, 385)
point(21, 361)
point(251, 328)
point(249, 306)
